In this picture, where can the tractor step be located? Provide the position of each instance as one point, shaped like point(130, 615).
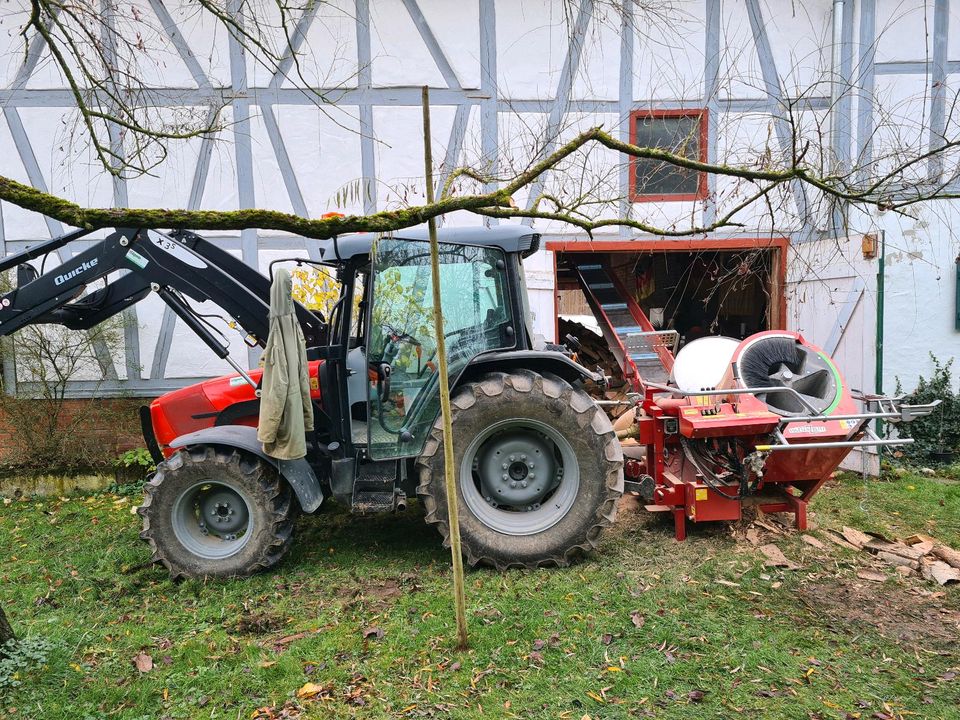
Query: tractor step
point(374, 489)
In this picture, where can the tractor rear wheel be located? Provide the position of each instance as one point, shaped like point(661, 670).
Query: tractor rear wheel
point(539, 471)
point(217, 512)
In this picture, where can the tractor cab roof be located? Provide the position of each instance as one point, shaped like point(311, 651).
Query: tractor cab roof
point(510, 238)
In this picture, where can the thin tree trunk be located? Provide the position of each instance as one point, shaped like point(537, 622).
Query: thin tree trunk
point(6, 632)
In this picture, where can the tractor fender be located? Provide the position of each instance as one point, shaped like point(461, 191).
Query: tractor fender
point(539, 361)
point(296, 472)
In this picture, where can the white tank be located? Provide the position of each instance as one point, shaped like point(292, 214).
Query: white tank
point(703, 362)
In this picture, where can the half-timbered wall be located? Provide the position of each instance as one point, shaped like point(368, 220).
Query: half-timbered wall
point(509, 80)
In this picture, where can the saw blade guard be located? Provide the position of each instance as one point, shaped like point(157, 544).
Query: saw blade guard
point(793, 377)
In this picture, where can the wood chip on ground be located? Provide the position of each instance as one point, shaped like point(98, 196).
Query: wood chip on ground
point(940, 572)
point(855, 537)
point(813, 542)
point(776, 558)
point(871, 575)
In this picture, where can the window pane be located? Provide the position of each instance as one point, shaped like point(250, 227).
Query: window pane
point(680, 135)
point(476, 314)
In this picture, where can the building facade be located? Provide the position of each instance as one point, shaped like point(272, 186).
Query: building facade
point(335, 125)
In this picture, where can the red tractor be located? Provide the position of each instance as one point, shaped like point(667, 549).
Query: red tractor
point(539, 464)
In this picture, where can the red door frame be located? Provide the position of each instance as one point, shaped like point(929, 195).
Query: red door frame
point(778, 277)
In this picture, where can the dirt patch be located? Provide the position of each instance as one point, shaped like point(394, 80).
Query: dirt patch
point(904, 614)
point(377, 595)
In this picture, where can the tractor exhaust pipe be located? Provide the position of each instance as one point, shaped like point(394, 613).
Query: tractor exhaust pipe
point(399, 501)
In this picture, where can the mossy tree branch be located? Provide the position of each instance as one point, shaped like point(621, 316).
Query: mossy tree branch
point(498, 203)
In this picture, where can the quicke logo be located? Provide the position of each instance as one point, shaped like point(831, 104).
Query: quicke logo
point(87, 265)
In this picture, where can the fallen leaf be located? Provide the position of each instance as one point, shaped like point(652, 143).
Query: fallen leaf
point(696, 695)
point(637, 619)
point(606, 639)
point(143, 662)
point(311, 690)
point(538, 645)
point(286, 640)
point(374, 632)
point(536, 658)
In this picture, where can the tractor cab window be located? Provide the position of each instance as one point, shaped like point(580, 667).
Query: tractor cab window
point(358, 308)
point(402, 352)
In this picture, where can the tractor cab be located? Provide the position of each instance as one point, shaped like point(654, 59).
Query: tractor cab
point(386, 325)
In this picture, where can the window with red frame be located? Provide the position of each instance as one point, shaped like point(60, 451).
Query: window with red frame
point(683, 132)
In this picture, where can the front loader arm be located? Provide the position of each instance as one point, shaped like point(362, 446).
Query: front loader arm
point(181, 263)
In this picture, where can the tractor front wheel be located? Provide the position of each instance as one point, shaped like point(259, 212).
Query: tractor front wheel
point(216, 512)
point(539, 470)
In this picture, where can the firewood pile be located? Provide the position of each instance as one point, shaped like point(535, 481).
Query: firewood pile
point(916, 555)
point(594, 354)
point(593, 351)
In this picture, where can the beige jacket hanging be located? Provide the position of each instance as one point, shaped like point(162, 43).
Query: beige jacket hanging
point(285, 408)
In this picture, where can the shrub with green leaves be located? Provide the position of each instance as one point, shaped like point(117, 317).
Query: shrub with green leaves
point(20, 657)
point(133, 467)
point(136, 458)
point(940, 430)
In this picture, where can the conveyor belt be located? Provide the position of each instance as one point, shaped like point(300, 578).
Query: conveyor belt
point(632, 339)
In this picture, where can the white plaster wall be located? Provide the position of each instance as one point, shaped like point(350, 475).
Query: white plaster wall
point(920, 297)
point(324, 144)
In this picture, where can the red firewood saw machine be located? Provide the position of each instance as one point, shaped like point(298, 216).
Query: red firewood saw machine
point(725, 424)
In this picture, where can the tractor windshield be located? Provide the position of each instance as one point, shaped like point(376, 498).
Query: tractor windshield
point(402, 352)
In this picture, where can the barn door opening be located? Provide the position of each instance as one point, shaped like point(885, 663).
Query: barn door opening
point(697, 288)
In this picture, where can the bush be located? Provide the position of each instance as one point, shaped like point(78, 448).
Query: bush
point(132, 469)
point(18, 657)
point(42, 426)
point(940, 430)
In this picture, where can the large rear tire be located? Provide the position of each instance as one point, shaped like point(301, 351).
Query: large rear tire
point(217, 512)
point(539, 471)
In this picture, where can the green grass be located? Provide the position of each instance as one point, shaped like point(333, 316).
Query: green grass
point(811, 643)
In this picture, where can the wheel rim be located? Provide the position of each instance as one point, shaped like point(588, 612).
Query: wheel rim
point(212, 520)
point(519, 476)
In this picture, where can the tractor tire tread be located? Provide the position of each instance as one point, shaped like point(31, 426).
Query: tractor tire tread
point(589, 417)
point(275, 496)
